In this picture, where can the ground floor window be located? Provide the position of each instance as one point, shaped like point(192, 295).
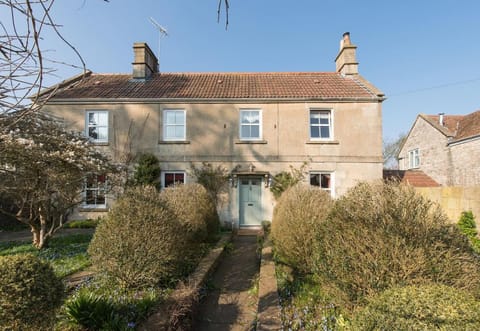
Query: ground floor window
point(170, 178)
point(95, 191)
point(324, 180)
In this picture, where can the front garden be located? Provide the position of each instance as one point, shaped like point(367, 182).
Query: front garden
point(379, 258)
point(149, 242)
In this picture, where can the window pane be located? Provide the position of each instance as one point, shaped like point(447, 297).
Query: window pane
point(250, 117)
point(314, 118)
point(179, 178)
point(179, 132)
point(169, 179)
point(325, 181)
point(314, 132)
point(102, 118)
point(92, 119)
point(255, 182)
point(170, 132)
point(179, 117)
point(315, 179)
point(92, 133)
point(102, 133)
point(325, 131)
point(245, 131)
point(170, 117)
point(325, 121)
point(254, 131)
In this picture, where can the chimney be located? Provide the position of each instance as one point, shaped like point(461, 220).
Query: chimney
point(440, 118)
point(346, 62)
point(145, 63)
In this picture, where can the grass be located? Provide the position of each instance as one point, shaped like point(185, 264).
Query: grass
point(66, 254)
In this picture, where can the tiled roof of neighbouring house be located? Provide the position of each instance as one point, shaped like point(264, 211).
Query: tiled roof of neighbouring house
point(459, 127)
point(415, 178)
point(296, 85)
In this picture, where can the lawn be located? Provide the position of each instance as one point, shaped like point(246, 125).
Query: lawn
point(66, 254)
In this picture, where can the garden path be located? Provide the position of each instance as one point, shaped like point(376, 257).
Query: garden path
point(231, 302)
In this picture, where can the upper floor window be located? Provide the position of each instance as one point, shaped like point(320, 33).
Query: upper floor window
point(320, 124)
point(174, 124)
point(171, 178)
point(97, 125)
point(250, 124)
point(95, 191)
point(323, 180)
point(413, 158)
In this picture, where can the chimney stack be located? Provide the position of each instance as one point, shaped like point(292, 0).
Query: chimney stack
point(145, 63)
point(440, 118)
point(346, 61)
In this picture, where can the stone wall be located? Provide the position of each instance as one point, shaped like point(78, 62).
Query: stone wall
point(454, 200)
point(466, 163)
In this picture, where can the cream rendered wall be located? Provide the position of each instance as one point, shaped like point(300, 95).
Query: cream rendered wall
point(354, 154)
point(433, 151)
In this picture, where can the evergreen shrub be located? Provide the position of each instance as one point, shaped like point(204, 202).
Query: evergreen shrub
point(298, 215)
point(141, 242)
point(30, 293)
point(418, 308)
point(381, 235)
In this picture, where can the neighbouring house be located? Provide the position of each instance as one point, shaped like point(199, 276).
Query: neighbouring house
point(254, 124)
point(445, 147)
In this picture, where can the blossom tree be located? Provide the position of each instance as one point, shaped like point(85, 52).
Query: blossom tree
point(42, 171)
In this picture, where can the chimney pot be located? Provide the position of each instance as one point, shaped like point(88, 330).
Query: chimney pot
point(441, 118)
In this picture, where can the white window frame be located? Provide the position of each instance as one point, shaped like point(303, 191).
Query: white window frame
point(260, 124)
point(330, 124)
point(184, 173)
point(97, 189)
point(88, 126)
point(167, 125)
point(332, 181)
point(414, 158)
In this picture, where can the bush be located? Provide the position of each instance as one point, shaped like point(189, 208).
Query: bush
point(30, 293)
point(383, 235)
point(147, 171)
point(140, 243)
point(195, 210)
point(424, 307)
point(82, 224)
point(286, 179)
point(468, 227)
point(296, 220)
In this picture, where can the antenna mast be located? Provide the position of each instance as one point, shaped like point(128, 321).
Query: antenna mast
point(161, 32)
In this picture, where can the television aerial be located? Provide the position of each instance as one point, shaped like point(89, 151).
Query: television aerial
point(162, 32)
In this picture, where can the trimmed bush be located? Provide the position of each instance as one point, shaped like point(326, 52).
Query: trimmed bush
point(424, 307)
point(140, 243)
point(297, 217)
point(467, 226)
point(147, 171)
point(30, 293)
point(383, 235)
point(195, 210)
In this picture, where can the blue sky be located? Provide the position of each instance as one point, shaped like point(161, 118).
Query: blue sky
point(424, 55)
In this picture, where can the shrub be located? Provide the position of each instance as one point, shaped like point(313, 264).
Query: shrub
point(30, 293)
point(423, 307)
point(468, 227)
point(195, 210)
point(140, 243)
point(296, 220)
point(89, 311)
point(383, 235)
point(214, 179)
point(82, 224)
point(285, 179)
point(147, 171)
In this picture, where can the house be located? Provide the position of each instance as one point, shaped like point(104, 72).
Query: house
point(254, 124)
point(415, 178)
point(445, 147)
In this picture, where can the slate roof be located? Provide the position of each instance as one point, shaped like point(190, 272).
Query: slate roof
point(280, 85)
point(415, 178)
point(458, 127)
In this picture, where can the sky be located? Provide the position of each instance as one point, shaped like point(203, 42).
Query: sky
point(424, 55)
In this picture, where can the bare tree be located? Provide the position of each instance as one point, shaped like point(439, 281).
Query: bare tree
point(390, 151)
point(24, 63)
point(219, 10)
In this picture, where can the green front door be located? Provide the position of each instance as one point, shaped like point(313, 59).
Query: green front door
point(251, 212)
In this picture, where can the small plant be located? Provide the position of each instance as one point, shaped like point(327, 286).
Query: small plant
point(214, 179)
point(285, 179)
point(467, 225)
point(30, 293)
point(89, 311)
point(421, 307)
point(147, 171)
point(82, 224)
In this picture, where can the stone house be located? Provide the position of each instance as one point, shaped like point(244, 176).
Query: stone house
point(445, 147)
point(254, 124)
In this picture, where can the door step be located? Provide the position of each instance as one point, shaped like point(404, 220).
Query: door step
point(249, 231)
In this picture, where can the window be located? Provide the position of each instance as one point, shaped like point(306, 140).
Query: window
point(413, 159)
point(97, 126)
point(174, 124)
point(250, 124)
point(324, 180)
point(171, 178)
point(95, 191)
point(320, 124)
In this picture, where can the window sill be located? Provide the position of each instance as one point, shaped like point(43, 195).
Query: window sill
point(93, 209)
point(250, 142)
point(174, 142)
point(323, 142)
